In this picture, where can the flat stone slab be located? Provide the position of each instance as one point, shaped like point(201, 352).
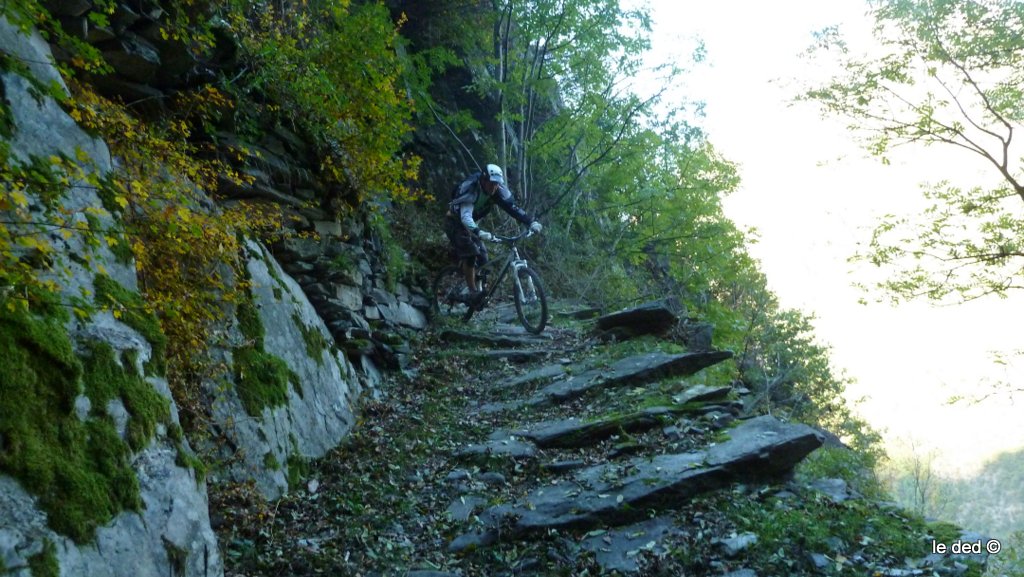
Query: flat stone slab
point(491, 340)
point(510, 448)
point(623, 492)
point(702, 393)
point(577, 433)
point(545, 373)
point(630, 370)
point(517, 355)
point(618, 549)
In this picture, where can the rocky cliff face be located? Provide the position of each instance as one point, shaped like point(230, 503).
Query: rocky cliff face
point(96, 477)
point(168, 531)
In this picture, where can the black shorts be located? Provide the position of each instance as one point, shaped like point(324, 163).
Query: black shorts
point(467, 246)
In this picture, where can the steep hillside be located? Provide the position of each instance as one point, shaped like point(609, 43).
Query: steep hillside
point(502, 453)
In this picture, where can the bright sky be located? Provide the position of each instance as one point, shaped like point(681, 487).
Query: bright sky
point(813, 194)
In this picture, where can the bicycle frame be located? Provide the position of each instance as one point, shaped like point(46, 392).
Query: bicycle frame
point(449, 288)
point(513, 261)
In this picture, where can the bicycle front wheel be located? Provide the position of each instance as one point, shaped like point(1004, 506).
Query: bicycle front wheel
point(448, 293)
point(531, 305)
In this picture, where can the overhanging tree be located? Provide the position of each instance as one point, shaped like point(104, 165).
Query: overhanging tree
point(950, 73)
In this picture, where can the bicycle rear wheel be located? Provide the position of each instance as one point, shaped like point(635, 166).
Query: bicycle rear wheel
point(531, 304)
point(449, 293)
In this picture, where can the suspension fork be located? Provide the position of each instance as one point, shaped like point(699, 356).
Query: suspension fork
point(519, 263)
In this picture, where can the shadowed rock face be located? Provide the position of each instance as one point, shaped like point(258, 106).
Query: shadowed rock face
point(649, 318)
point(616, 493)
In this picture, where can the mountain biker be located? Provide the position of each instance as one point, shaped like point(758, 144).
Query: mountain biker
point(472, 200)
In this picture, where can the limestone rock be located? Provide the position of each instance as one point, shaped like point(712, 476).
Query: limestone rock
point(320, 408)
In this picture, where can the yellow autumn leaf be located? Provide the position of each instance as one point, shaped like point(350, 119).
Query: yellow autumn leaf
point(19, 198)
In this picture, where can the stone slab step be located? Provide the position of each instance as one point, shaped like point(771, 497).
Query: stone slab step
point(630, 370)
point(623, 492)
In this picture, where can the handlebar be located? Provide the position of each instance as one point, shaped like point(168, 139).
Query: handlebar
point(511, 239)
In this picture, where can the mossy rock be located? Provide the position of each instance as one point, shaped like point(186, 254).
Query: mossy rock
point(44, 563)
point(130, 308)
point(80, 470)
point(261, 379)
point(316, 342)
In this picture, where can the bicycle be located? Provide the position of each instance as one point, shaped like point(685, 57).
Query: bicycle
point(451, 295)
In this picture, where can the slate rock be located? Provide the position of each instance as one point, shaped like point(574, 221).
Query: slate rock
point(574, 432)
point(702, 394)
point(491, 340)
point(618, 493)
point(136, 59)
point(580, 314)
point(636, 369)
point(616, 549)
point(764, 445)
point(458, 475)
point(649, 318)
point(545, 373)
point(697, 336)
point(492, 478)
point(564, 466)
point(819, 561)
point(510, 448)
point(517, 355)
point(460, 509)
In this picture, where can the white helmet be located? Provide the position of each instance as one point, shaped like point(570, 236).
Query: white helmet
point(494, 174)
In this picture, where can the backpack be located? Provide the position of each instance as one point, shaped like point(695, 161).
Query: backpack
point(464, 191)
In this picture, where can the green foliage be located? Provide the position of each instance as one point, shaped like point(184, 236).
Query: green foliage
point(332, 68)
point(947, 73)
point(261, 379)
point(44, 563)
point(105, 378)
point(249, 322)
point(298, 469)
point(31, 220)
point(1010, 560)
point(856, 468)
point(787, 528)
point(270, 461)
point(130, 308)
point(315, 341)
point(395, 259)
point(185, 458)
